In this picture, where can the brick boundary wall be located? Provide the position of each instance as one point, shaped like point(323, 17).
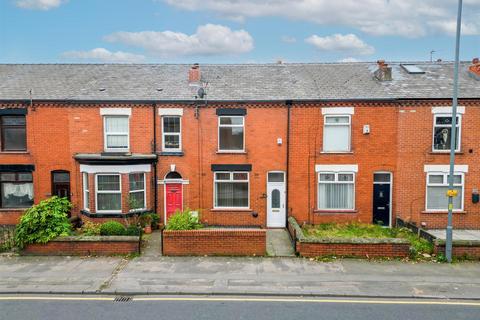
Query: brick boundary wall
point(10, 217)
point(309, 247)
point(460, 249)
point(215, 242)
point(85, 246)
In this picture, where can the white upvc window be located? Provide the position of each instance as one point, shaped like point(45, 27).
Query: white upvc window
point(442, 132)
point(337, 133)
point(86, 192)
point(231, 190)
point(336, 191)
point(108, 193)
point(171, 133)
point(437, 187)
point(231, 133)
point(116, 133)
point(137, 195)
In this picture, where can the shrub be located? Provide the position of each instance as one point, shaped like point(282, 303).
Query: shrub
point(91, 228)
point(155, 220)
point(112, 228)
point(133, 230)
point(183, 221)
point(44, 222)
point(145, 219)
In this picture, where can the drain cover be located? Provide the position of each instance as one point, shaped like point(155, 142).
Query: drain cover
point(122, 299)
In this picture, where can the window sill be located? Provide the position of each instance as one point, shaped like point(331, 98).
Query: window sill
point(230, 210)
point(446, 152)
point(336, 152)
point(171, 153)
point(14, 209)
point(231, 152)
point(442, 211)
point(327, 212)
point(14, 152)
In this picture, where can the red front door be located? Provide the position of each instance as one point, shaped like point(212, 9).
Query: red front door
point(173, 198)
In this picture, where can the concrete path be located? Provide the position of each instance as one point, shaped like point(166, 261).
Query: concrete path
point(279, 243)
point(153, 244)
point(216, 275)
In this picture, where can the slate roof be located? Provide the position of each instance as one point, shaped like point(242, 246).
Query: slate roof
point(242, 82)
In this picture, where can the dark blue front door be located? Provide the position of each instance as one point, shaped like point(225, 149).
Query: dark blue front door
point(381, 204)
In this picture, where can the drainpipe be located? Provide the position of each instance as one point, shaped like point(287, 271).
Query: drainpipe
point(288, 103)
point(155, 187)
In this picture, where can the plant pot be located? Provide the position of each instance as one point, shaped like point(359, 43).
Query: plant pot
point(147, 229)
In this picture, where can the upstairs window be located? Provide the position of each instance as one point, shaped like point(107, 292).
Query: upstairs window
point(16, 190)
point(231, 133)
point(13, 133)
point(116, 131)
point(336, 133)
point(231, 190)
point(442, 132)
point(172, 134)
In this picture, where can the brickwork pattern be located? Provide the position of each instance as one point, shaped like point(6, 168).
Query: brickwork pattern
point(391, 250)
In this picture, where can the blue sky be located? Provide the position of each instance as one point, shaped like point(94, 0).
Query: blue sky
point(233, 31)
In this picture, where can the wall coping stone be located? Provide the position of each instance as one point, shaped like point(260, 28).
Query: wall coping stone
point(459, 243)
point(95, 239)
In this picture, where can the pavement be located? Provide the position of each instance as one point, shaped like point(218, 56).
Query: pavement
point(238, 276)
point(458, 234)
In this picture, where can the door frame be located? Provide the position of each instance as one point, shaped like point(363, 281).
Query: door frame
point(52, 182)
point(165, 182)
point(268, 197)
point(390, 204)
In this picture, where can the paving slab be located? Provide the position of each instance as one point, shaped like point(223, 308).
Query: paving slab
point(458, 234)
point(279, 243)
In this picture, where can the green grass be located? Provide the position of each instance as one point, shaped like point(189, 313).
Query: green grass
point(419, 246)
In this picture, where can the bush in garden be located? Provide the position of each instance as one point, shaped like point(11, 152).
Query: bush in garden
point(112, 228)
point(91, 228)
point(133, 230)
point(183, 221)
point(44, 222)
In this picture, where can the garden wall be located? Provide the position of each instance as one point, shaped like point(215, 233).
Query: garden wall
point(460, 248)
point(85, 246)
point(358, 247)
point(215, 242)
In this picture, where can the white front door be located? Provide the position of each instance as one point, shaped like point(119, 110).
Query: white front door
point(276, 212)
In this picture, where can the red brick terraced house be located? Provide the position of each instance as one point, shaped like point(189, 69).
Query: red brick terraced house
point(248, 145)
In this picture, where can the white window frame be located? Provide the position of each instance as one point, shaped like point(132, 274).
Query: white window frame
point(107, 191)
point(86, 190)
point(105, 134)
point(231, 126)
point(179, 134)
point(144, 190)
point(336, 173)
point(231, 181)
point(445, 184)
point(459, 125)
point(325, 124)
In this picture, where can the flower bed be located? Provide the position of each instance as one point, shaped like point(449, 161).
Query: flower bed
point(316, 246)
point(85, 246)
point(216, 242)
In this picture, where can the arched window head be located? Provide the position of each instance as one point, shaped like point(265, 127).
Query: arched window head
point(173, 175)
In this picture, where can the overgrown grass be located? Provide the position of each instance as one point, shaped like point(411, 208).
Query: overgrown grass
point(419, 246)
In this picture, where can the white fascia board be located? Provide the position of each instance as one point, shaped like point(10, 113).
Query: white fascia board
point(338, 110)
point(445, 168)
point(116, 111)
point(447, 110)
point(336, 168)
point(115, 168)
point(170, 111)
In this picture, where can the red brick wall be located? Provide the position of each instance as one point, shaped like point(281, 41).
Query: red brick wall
point(10, 217)
point(82, 248)
point(460, 251)
point(391, 250)
point(235, 242)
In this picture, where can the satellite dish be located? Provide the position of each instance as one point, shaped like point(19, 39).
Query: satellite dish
point(201, 93)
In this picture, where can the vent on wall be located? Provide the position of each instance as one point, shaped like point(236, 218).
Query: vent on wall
point(412, 69)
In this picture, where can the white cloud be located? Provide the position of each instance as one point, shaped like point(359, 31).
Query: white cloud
point(209, 39)
point(39, 4)
point(348, 43)
point(349, 59)
point(103, 55)
point(289, 39)
point(450, 27)
point(408, 18)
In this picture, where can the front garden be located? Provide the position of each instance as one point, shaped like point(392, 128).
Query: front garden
point(359, 240)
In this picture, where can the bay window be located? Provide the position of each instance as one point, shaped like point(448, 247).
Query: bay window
point(336, 190)
point(137, 194)
point(16, 190)
point(231, 190)
point(108, 193)
point(86, 192)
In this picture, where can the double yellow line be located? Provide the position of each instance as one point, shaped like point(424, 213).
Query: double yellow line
point(248, 299)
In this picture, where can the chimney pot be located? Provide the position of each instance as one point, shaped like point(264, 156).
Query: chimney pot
point(474, 69)
point(475, 61)
point(194, 75)
point(384, 72)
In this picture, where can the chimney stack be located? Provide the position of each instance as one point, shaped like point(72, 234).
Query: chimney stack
point(474, 69)
point(194, 74)
point(384, 72)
